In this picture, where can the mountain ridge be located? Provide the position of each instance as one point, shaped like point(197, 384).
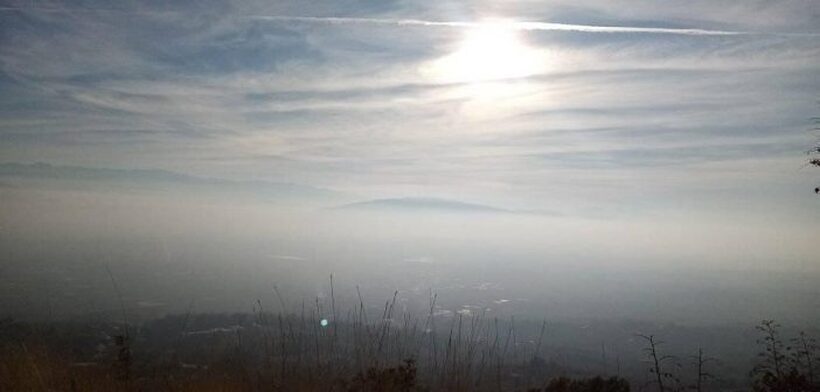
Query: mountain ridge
point(422, 203)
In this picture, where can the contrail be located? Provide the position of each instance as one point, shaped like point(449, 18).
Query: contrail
point(524, 26)
point(513, 25)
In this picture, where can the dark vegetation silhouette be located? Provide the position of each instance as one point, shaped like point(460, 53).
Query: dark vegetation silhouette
point(594, 384)
point(814, 152)
point(659, 364)
point(784, 366)
point(701, 363)
point(293, 351)
point(401, 378)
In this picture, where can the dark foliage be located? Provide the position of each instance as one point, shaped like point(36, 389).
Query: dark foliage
point(401, 378)
point(659, 365)
point(595, 384)
point(814, 152)
point(281, 353)
point(781, 367)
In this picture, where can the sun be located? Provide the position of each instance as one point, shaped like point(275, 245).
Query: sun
point(491, 51)
point(490, 70)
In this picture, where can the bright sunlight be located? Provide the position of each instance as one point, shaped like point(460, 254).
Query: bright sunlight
point(491, 51)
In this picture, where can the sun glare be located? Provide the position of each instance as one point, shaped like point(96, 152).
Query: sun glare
point(490, 52)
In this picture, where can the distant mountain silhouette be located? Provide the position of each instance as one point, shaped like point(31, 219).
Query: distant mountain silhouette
point(421, 203)
point(158, 179)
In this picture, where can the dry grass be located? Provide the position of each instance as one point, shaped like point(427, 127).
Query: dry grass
point(293, 352)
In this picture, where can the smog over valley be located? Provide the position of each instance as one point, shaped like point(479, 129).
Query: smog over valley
point(406, 195)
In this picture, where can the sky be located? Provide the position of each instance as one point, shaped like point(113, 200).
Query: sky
point(693, 111)
point(626, 159)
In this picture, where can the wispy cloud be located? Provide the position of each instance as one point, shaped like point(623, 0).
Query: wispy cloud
point(342, 101)
point(513, 25)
